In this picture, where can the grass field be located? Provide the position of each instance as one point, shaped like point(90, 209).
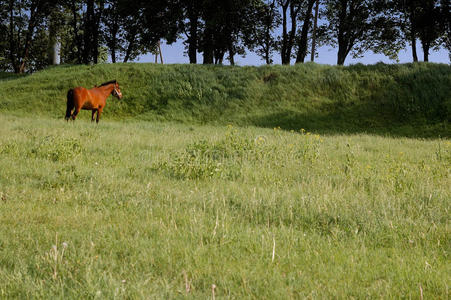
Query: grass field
point(219, 182)
point(162, 210)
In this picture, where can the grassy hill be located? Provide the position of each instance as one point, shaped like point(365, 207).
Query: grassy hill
point(410, 99)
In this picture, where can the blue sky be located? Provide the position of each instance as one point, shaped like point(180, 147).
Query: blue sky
point(174, 54)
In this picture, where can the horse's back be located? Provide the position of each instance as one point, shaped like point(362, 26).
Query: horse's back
point(81, 94)
point(79, 90)
point(87, 98)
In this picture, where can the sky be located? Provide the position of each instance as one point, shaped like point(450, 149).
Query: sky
point(174, 54)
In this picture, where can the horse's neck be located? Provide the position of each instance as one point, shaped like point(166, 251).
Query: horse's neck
point(107, 88)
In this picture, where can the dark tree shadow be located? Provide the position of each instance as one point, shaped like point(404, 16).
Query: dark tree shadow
point(352, 122)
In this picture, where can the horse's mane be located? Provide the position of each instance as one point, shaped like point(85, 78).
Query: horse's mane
point(109, 82)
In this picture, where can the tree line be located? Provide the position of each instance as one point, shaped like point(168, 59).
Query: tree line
point(88, 31)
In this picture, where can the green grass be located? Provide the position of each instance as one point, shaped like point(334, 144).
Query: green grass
point(166, 210)
point(411, 100)
point(274, 182)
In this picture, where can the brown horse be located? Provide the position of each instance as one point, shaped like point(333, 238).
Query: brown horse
point(93, 99)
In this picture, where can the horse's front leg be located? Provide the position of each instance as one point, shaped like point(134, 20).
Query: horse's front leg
point(93, 113)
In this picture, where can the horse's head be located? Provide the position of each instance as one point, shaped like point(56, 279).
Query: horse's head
point(116, 91)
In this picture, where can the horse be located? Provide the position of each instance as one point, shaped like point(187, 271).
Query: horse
point(91, 99)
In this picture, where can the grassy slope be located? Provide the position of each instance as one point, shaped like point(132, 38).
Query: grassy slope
point(260, 213)
point(411, 99)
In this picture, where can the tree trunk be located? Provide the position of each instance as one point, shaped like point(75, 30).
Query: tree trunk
point(231, 56)
point(293, 15)
point(283, 49)
point(218, 56)
point(302, 51)
point(53, 45)
point(342, 53)
point(267, 46)
point(77, 39)
point(114, 29)
point(341, 59)
point(113, 45)
point(426, 47)
point(315, 25)
point(95, 32)
point(159, 51)
point(288, 37)
point(414, 48)
point(193, 39)
point(88, 35)
point(29, 36)
point(343, 40)
point(267, 57)
point(413, 40)
point(12, 46)
point(54, 52)
point(131, 44)
point(208, 45)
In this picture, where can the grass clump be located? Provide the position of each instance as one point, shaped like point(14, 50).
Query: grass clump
point(226, 158)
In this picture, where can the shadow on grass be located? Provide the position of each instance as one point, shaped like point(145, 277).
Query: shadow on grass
point(4, 76)
point(349, 122)
point(414, 101)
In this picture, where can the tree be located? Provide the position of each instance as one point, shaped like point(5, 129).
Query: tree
point(21, 19)
point(445, 7)
point(222, 27)
point(429, 21)
point(314, 33)
point(259, 35)
point(155, 20)
point(407, 22)
point(303, 41)
point(56, 20)
point(189, 25)
point(4, 62)
point(295, 12)
point(358, 26)
point(132, 28)
point(288, 36)
point(112, 23)
point(348, 25)
point(91, 34)
point(425, 20)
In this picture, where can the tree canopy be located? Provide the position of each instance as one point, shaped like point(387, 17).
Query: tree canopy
point(93, 31)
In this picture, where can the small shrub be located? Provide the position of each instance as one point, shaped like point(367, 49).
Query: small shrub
point(57, 148)
point(204, 159)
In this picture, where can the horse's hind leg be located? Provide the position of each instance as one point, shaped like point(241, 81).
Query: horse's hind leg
point(68, 113)
point(70, 104)
point(76, 111)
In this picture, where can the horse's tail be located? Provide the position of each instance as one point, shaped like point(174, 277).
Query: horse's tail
point(70, 103)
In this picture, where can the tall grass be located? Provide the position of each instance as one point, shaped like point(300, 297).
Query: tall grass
point(409, 100)
point(136, 209)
